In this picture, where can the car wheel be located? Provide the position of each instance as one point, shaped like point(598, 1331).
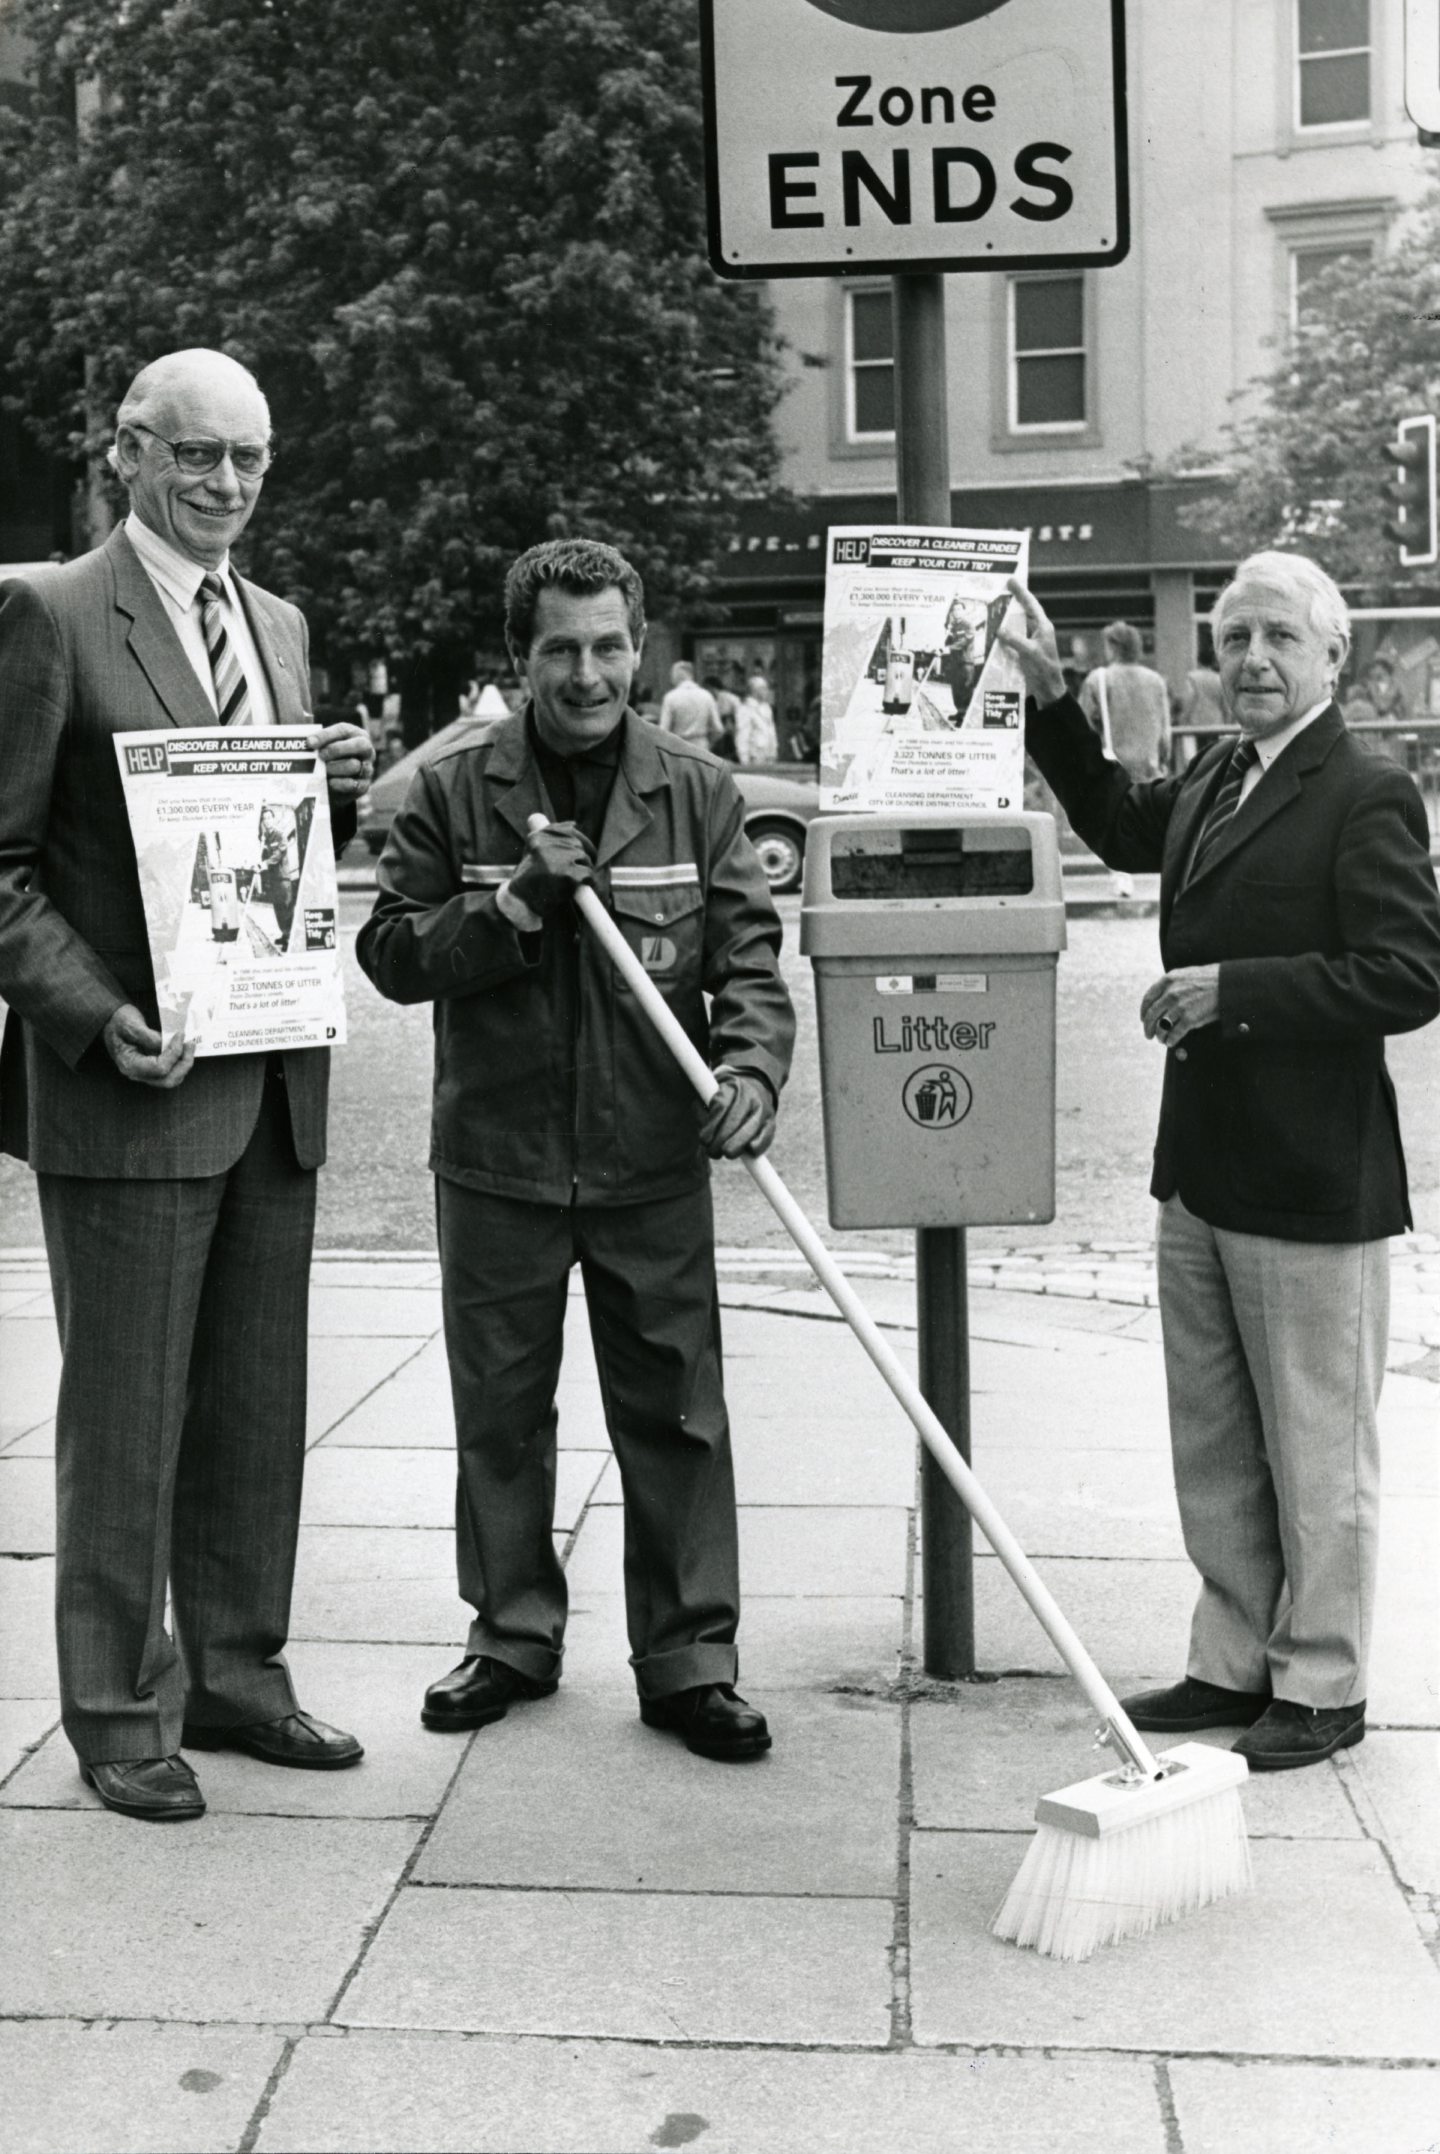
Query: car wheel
point(781, 853)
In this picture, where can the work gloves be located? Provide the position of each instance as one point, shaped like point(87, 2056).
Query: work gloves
point(555, 863)
point(740, 1118)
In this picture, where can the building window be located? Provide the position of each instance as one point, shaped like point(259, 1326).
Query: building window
point(1309, 266)
point(869, 364)
point(1047, 354)
point(1332, 47)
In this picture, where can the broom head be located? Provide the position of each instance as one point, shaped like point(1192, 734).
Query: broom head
point(1118, 1855)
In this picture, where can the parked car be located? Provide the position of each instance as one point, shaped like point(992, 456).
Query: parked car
point(781, 800)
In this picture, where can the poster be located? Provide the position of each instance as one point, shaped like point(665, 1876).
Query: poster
point(920, 705)
point(237, 873)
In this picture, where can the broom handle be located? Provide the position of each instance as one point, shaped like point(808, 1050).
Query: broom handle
point(930, 1429)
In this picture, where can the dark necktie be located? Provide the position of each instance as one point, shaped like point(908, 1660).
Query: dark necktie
point(232, 695)
point(1226, 801)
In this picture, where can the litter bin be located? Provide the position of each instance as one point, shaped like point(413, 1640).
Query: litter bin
point(934, 939)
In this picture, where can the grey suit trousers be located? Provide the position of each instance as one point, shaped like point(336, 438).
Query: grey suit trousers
point(1274, 1358)
point(179, 1440)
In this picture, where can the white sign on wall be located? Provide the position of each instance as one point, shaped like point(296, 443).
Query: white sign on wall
point(871, 136)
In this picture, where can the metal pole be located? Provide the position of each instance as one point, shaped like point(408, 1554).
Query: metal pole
point(922, 450)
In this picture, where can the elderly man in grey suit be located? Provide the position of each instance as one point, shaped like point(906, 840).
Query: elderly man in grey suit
point(178, 1196)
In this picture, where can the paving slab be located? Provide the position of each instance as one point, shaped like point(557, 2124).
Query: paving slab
point(374, 1312)
point(29, 1373)
point(981, 1757)
point(27, 1506)
point(1304, 2109)
point(1404, 1683)
point(27, 1627)
point(370, 1486)
point(24, 1725)
point(38, 1442)
point(343, 1371)
point(1322, 1959)
point(1133, 1616)
point(378, 1583)
point(815, 1644)
point(817, 1815)
point(131, 2089)
point(783, 1550)
point(408, 2094)
point(409, 1406)
point(664, 1967)
point(373, 1690)
point(1104, 1503)
point(1395, 1778)
point(1108, 1397)
point(228, 1918)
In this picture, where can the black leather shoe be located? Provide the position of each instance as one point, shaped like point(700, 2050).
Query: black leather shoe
point(1291, 1735)
point(478, 1691)
point(162, 1791)
point(1193, 1703)
point(713, 1720)
point(297, 1739)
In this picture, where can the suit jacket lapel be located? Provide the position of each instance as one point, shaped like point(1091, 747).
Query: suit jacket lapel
point(1280, 785)
point(279, 655)
point(152, 640)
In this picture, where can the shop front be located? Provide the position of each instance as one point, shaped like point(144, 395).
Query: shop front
point(1098, 553)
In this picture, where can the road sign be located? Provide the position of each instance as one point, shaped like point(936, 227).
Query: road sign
point(880, 136)
point(1422, 63)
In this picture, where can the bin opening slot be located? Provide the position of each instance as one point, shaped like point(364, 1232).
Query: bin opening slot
point(928, 863)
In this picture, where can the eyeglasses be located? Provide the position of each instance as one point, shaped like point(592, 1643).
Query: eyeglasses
point(251, 459)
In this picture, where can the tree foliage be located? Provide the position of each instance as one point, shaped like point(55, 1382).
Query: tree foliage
point(1304, 466)
point(460, 243)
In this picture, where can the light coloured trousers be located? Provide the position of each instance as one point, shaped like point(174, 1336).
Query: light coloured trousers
point(1274, 1358)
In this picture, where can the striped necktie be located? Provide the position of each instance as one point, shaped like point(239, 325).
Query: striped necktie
point(232, 694)
point(1226, 801)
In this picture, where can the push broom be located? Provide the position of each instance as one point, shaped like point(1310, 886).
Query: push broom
point(1116, 1855)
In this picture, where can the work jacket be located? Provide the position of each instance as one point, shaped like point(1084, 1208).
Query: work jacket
point(550, 1084)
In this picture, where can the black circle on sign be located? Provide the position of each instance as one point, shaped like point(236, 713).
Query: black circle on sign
point(908, 16)
point(937, 1097)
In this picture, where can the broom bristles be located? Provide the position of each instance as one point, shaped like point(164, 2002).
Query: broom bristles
point(1074, 1892)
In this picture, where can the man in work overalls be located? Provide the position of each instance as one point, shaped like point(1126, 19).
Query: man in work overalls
point(564, 1133)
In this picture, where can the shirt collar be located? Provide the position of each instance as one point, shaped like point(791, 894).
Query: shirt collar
point(1275, 744)
point(177, 575)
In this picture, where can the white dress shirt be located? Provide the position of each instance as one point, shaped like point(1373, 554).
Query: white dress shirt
point(177, 580)
point(1276, 743)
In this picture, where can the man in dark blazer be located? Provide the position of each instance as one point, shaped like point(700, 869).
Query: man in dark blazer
point(178, 1196)
point(1299, 924)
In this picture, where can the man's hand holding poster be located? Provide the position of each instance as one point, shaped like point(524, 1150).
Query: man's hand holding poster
point(237, 872)
point(921, 707)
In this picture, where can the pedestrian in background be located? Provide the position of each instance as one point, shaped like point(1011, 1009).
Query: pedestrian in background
point(1129, 706)
point(727, 704)
point(688, 710)
point(564, 1133)
point(1299, 924)
point(755, 737)
point(178, 1196)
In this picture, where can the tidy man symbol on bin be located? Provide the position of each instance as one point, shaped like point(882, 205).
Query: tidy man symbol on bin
point(934, 1097)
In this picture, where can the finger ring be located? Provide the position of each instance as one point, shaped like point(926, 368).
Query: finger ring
point(1165, 1024)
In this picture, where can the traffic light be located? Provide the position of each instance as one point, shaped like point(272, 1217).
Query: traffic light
point(1415, 530)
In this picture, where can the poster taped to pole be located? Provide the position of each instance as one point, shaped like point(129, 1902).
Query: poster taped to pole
point(237, 873)
point(921, 706)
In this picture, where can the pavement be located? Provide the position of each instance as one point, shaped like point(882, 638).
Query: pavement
point(564, 1932)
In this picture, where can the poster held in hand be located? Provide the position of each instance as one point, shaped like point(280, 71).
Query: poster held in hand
point(237, 873)
point(921, 705)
